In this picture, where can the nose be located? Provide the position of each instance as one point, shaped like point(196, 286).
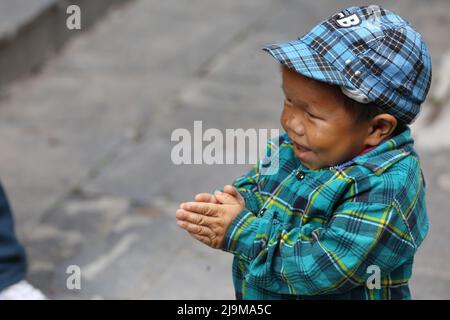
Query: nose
point(295, 123)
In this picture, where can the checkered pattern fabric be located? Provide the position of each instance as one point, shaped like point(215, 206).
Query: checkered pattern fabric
point(366, 48)
point(320, 234)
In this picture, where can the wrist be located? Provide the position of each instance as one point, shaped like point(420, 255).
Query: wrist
point(240, 235)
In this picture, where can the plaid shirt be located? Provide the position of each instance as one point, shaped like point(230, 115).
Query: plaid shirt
point(316, 234)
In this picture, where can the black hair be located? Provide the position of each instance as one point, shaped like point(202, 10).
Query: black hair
point(364, 112)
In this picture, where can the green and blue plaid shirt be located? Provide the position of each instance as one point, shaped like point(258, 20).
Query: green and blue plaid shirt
point(316, 234)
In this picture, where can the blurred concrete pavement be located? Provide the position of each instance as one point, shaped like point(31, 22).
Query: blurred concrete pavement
point(86, 142)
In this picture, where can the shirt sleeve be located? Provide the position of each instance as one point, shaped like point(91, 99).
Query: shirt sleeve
point(248, 187)
point(249, 184)
point(330, 259)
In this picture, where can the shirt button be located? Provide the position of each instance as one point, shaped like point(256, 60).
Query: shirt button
point(347, 62)
point(300, 175)
point(261, 213)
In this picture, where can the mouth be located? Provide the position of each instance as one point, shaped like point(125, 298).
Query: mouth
point(300, 150)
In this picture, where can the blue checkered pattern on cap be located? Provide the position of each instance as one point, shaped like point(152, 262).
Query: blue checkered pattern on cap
point(366, 48)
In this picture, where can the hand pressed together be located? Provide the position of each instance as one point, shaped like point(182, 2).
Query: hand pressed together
point(207, 218)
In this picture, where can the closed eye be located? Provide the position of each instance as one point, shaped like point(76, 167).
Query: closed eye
point(315, 117)
point(290, 103)
point(311, 115)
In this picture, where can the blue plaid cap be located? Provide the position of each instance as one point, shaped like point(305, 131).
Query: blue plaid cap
point(368, 50)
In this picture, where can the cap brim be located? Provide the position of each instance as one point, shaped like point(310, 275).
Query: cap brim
point(300, 57)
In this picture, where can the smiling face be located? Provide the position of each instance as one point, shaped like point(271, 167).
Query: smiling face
point(316, 120)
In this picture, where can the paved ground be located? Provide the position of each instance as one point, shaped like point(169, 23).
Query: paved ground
point(86, 142)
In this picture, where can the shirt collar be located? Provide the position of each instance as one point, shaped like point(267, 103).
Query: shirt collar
point(387, 153)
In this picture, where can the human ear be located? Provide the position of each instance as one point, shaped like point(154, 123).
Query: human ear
point(381, 126)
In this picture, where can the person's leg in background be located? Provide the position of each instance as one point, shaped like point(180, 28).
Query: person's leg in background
point(13, 264)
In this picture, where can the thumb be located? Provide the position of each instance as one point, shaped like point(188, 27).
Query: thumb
point(234, 192)
point(226, 198)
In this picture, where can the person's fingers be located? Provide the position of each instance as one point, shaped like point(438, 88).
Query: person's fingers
point(234, 192)
point(207, 209)
point(200, 238)
point(194, 218)
point(195, 229)
point(231, 190)
point(202, 197)
point(205, 197)
point(226, 198)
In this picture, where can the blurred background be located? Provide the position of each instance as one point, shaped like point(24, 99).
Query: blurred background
point(86, 118)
